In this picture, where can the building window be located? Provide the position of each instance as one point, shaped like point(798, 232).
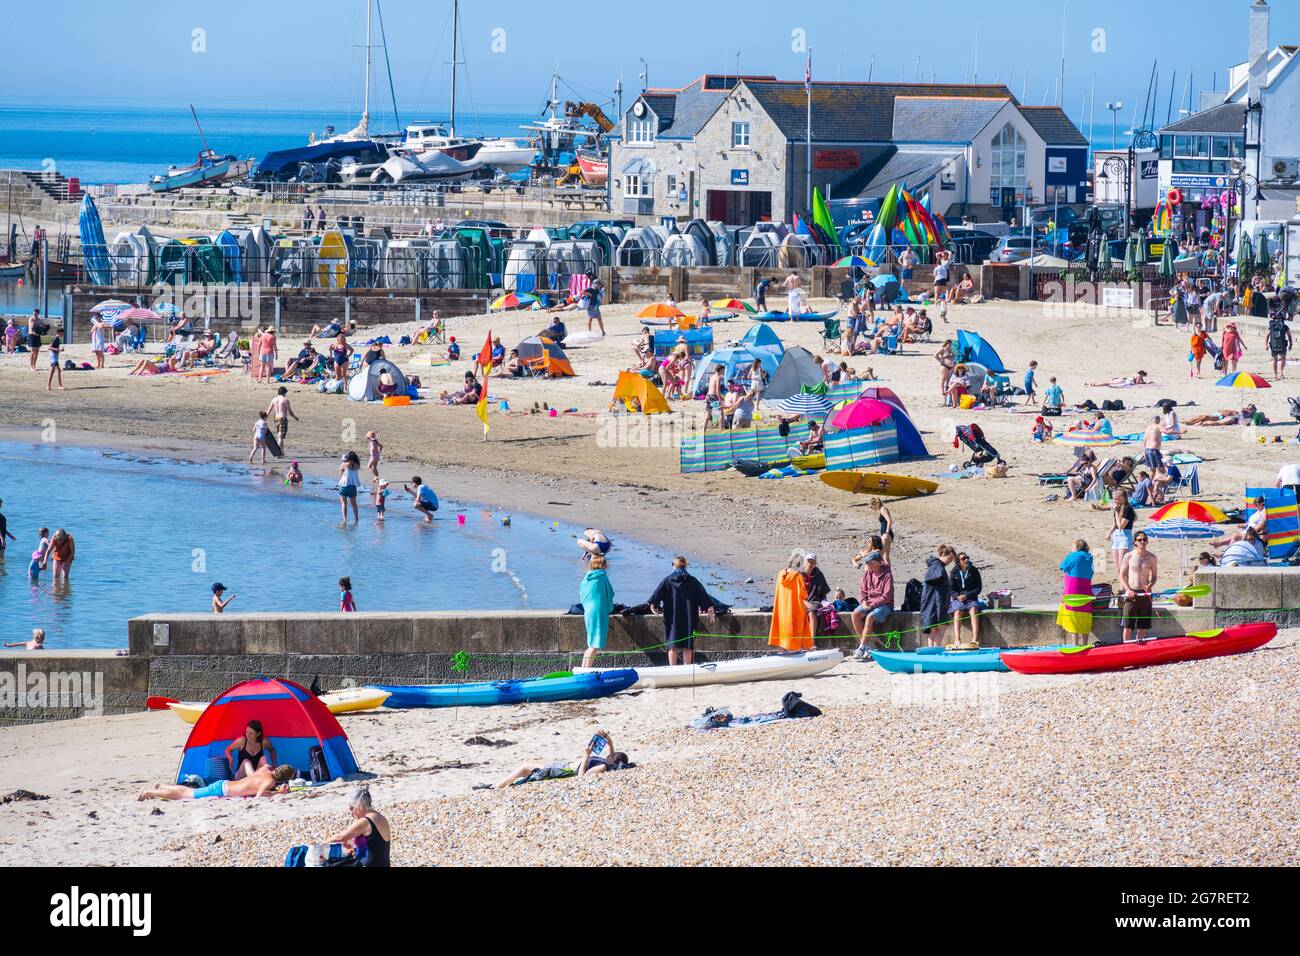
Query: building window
point(636, 186)
point(640, 130)
point(1007, 160)
point(740, 135)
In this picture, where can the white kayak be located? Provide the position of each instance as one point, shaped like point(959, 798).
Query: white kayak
point(740, 671)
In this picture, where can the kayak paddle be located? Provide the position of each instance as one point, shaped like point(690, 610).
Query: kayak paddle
point(1083, 600)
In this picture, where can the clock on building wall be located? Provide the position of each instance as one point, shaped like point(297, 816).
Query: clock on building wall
point(638, 109)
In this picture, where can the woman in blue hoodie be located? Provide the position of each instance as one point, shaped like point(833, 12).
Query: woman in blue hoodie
point(597, 597)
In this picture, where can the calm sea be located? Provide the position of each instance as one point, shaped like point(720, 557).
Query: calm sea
point(130, 144)
point(153, 535)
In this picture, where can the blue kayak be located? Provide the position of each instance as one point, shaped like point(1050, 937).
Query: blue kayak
point(938, 660)
point(531, 691)
point(801, 317)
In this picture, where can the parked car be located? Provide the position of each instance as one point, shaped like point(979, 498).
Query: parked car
point(1011, 249)
point(972, 245)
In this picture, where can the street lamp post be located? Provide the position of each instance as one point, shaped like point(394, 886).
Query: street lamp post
point(1114, 112)
point(1115, 169)
point(1238, 187)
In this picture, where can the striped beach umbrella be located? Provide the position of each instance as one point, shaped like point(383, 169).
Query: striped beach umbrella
point(111, 305)
point(1085, 439)
point(732, 304)
point(1189, 511)
point(513, 300)
point(139, 314)
point(1242, 381)
point(852, 262)
point(805, 404)
point(1181, 530)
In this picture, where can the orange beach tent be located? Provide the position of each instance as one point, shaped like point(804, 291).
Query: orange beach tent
point(640, 394)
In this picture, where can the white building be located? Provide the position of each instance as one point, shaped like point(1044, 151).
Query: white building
point(737, 149)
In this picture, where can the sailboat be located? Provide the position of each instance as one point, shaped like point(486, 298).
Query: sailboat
point(356, 153)
point(420, 138)
point(208, 169)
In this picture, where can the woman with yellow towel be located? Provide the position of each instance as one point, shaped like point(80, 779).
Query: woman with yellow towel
point(800, 590)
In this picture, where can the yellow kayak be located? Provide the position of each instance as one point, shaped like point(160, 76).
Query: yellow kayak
point(346, 701)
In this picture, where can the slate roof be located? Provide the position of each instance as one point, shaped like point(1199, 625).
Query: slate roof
point(852, 112)
point(1051, 123)
point(683, 112)
point(914, 167)
point(942, 119)
point(1227, 118)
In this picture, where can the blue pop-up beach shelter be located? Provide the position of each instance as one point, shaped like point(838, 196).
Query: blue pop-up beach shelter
point(971, 347)
point(735, 359)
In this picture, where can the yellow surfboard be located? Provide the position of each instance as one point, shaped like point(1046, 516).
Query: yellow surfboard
point(879, 483)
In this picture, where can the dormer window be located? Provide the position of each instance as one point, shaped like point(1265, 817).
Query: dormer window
point(641, 124)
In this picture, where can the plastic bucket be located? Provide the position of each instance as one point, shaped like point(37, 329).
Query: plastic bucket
point(967, 401)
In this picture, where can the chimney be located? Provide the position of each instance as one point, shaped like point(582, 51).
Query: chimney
point(1257, 64)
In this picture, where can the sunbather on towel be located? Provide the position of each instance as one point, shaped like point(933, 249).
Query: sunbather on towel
point(607, 760)
point(1124, 381)
point(1226, 416)
point(263, 782)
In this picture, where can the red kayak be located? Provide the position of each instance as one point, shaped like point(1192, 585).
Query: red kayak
point(1157, 650)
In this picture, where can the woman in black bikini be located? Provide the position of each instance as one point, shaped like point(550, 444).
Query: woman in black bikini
point(369, 832)
point(251, 751)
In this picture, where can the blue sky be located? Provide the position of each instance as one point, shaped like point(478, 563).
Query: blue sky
point(287, 53)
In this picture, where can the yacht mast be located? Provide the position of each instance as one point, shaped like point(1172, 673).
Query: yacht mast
point(365, 109)
point(455, 23)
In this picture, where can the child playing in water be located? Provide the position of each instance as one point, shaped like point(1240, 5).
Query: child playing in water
point(293, 478)
point(37, 642)
point(346, 601)
point(381, 494)
point(376, 448)
point(40, 556)
point(259, 437)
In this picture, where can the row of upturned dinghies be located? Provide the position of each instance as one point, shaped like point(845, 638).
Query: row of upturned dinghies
point(461, 258)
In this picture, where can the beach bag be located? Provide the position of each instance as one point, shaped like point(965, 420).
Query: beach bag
point(794, 706)
point(320, 768)
point(828, 619)
point(297, 856)
point(912, 595)
point(1113, 405)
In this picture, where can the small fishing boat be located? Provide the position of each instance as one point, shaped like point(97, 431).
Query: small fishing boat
point(208, 169)
point(594, 167)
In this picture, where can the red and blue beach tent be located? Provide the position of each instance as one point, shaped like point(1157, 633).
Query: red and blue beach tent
point(293, 719)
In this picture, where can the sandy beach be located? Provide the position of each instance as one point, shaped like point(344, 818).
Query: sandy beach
point(1182, 764)
point(566, 467)
point(1179, 764)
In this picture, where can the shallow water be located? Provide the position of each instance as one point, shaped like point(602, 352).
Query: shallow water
point(152, 535)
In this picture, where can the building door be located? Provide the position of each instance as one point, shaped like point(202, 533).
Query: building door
point(736, 207)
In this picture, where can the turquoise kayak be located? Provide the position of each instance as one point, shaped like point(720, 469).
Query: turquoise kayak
point(531, 691)
point(938, 660)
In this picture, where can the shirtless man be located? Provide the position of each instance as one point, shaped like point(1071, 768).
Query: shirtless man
point(280, 413)
point(793, 286)
point(1137, 577)
point(263, 782)
point(1152, 438)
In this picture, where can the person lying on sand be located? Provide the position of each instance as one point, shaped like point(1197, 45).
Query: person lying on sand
point(468, 395)
point(1123, 382)
point(599, 757)
point(1226, 416)
point(263, 782)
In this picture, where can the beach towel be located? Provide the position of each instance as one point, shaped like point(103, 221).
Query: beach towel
point(790, 629)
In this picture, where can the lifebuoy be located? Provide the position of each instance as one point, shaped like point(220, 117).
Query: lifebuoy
point(1175, 196)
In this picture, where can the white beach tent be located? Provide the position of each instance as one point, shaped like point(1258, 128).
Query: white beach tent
point(363, 386)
